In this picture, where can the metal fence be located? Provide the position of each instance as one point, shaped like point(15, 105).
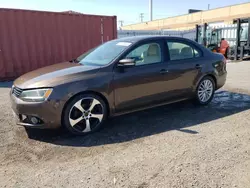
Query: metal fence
point(129, 33)
point(190, 34)
point(227, 31)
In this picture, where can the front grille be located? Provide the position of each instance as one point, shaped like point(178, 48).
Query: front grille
point(16, 91)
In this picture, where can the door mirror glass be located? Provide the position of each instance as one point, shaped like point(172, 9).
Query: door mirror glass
point(126, 63)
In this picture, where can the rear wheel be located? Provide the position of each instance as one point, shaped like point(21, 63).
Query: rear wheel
point(84, 114)
point(205, 91)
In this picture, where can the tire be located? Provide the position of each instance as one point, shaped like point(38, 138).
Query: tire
point(84, 114)
point(208, 97)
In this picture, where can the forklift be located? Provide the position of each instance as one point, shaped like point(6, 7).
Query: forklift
point(241, 49)
point(211, 38)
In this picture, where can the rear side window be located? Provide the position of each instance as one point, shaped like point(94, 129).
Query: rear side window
point(179, 51)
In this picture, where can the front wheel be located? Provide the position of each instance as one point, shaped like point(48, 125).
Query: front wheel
point(205, 91)
point(84, 114)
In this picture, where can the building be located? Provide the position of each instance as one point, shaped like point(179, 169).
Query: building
point(188, 21)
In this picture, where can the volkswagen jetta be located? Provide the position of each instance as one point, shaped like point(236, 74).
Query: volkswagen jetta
point(117, 77)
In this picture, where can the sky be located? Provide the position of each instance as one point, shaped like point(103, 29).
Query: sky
point(126, 10)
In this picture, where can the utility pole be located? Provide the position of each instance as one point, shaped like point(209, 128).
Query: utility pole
point(121, 22)
point(141, 16)
point(150, 10)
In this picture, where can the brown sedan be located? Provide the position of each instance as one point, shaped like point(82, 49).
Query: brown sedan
point(117, 77)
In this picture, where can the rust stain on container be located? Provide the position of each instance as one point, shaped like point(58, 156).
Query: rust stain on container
point(34, 39)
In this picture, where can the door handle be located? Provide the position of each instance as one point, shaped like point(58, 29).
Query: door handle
point(163, 71)
point(198, 66)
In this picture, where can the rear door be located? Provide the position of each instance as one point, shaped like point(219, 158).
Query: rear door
point(184, 66)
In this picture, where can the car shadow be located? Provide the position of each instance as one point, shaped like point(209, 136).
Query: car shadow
point(129, 127)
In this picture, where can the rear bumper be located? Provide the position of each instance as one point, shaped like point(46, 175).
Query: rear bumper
point(49, 112)
point(221, 80)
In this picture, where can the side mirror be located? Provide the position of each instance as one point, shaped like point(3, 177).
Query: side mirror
point(126, 63)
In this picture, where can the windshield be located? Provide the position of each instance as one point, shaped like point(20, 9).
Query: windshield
point(213, 36)
point(243, 33)
point(103, 54)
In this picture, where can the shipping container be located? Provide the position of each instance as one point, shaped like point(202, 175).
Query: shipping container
point(34, 39)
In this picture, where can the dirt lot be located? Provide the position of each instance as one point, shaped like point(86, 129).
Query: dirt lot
point(174, 146)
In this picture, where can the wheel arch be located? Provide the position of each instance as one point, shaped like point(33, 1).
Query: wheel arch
point(207, 75)
point(214, 78)
point(86, 92)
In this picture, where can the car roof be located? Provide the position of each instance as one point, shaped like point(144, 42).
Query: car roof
point(135, 39)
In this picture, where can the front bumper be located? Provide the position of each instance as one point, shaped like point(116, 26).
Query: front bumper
point(49, 112)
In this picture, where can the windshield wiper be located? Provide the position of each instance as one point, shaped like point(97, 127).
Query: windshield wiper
point(74, 61)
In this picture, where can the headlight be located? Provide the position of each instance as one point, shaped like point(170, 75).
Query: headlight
point(36, 95)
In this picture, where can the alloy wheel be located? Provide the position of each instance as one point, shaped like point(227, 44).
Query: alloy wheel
point(205, 90)
point(86, 114)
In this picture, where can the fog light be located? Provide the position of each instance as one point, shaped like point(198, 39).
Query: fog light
point(34, 120)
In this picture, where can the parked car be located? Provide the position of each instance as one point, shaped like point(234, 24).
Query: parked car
point(117, 77)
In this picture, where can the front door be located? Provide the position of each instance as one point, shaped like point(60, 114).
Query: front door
point(141, 85)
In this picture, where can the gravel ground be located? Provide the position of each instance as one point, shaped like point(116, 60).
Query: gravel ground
point(177, 145)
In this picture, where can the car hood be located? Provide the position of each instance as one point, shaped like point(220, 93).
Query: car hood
point(54, 75)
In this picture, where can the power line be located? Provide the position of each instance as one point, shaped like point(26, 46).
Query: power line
point(141, 16)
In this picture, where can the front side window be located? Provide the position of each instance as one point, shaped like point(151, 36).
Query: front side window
point(179, 51)
point(103, 54)
point(146, 54)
